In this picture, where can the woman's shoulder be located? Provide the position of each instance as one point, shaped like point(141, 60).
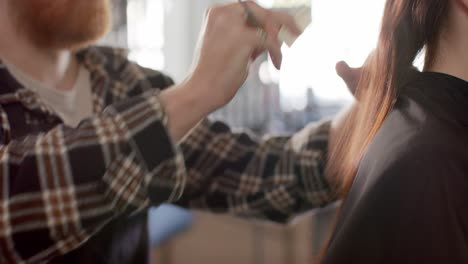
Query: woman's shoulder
point(416, 162)
point(429, 117)
point(409, 199)
point(413, 142)
point(407, 134)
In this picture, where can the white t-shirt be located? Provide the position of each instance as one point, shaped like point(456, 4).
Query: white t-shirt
point(72, 106)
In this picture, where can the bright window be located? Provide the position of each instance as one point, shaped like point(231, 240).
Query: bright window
point(340, 30)
point(146, 32)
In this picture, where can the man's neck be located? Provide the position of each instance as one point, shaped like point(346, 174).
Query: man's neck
point(55, 69)
point(451, 56)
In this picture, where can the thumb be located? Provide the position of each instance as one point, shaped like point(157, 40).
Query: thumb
point(349, 75)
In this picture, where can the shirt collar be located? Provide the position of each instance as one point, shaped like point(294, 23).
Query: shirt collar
point(11, 91)
point(446, 94)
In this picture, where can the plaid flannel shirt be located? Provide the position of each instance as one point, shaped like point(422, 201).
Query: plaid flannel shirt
point(62, 185)
point(273, 178)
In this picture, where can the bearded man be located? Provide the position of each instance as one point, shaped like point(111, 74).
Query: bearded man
point(90, 140)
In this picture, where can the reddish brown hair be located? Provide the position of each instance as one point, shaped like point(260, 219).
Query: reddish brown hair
point(62, 24)
point(408, 27)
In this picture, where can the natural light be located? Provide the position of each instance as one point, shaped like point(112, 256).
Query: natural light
point(144, 17)
point(340, 30)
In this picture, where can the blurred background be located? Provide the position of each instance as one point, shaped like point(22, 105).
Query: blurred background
point(162, 34)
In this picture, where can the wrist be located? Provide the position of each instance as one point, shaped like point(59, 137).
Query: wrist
point(206, 89)
point(184, 108)
point(195, 93)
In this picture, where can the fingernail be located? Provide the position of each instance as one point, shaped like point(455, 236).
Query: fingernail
point(277, 62)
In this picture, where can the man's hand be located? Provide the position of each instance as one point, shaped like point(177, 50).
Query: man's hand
point(349, 75)
point(226, 48)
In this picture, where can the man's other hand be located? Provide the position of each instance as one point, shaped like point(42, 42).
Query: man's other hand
point(349, 75)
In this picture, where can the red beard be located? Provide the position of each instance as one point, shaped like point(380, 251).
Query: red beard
point(62, 24)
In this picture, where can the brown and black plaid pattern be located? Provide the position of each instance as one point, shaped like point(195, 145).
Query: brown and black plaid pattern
point(273, 178)
point(60, 186)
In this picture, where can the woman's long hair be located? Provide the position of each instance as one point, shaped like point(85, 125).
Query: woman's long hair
point(408, 27)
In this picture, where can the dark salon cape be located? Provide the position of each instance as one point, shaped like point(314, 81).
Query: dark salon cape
point(409, 201)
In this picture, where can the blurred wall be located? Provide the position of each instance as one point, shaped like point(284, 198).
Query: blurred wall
point(183, 20)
